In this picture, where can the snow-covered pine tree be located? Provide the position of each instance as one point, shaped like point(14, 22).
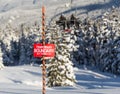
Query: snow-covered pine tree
point(88, 39)
point(1, 59)
point(5, 54)
point(115, 67)
point(14, 52)
point(74, 46)
point(105, 48)
point(87, 42)
point(22, 42)
point(33, 36)
point(81, 54)
point(115, 35)
point(109, 28)
point(27, 38)
point(1, 54)
point(60, 68)
point(6, 36)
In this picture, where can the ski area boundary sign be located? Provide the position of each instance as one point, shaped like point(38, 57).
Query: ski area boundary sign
point(47, 51)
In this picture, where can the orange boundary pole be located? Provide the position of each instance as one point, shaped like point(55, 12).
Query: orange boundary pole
point(43, 61)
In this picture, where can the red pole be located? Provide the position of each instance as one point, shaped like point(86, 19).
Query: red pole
point(43, 61)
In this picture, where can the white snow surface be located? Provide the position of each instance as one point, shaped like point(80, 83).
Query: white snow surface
point(28, 80)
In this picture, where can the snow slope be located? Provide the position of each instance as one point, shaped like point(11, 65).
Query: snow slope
point(28, 11)
point(27, 80)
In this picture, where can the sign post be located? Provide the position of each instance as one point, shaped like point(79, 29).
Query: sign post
point(43, 61)
point(44, 51)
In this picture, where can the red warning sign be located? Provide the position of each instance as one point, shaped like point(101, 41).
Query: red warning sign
point(48, 50)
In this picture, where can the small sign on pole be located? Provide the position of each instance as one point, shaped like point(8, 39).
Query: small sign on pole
point(47, 50)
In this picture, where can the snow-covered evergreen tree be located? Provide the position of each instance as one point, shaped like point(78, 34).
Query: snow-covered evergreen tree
point(33, 36)
point(88, 42)
point(73, 42)
point(109, 37)
point(22, 41)
point(17, 44)
point(1, 59)
point(14, 52)
point(29, 36)
point(60, 68)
